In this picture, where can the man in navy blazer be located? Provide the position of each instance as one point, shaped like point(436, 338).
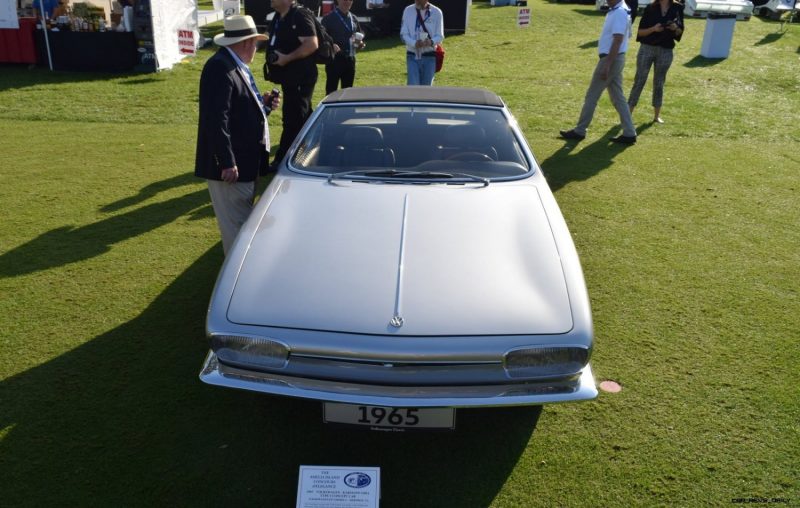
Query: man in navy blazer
point(232, 135)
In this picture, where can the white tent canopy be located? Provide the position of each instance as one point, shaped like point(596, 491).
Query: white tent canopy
point(170, 17)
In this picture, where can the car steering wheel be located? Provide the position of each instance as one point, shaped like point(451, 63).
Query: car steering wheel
point(470, 156)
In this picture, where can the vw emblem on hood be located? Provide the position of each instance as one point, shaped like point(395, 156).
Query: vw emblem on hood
point(396, 321)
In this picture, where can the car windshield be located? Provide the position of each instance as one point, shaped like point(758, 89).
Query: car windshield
point(420, 142)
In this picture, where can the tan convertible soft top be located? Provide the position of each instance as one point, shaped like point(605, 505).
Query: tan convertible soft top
point(444, 94)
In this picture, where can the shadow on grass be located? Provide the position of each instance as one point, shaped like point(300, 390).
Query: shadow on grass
point(69, 244)
point(14, 76)
point(568, 165)
point(590, 12)
point(124, 418)
point(590, 44)
point(22, 75)
point(769, 39)
point(701, 61)
point(151, 190)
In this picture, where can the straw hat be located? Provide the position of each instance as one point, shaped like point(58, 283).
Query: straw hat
point(237, 29)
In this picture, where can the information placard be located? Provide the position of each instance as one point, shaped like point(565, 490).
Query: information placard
point(338, 487)
point(524, 17)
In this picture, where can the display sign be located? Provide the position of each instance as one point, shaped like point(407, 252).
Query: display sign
point(186, 42)
point(338, 487)
point(8, 14)
point(524, 17)
point(230, 7)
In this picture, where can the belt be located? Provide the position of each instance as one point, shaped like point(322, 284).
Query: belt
point(429, 53)
point(603, 55)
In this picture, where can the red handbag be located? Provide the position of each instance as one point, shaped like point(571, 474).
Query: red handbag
point(439, 57)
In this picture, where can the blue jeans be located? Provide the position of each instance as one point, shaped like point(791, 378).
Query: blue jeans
point(420, 72)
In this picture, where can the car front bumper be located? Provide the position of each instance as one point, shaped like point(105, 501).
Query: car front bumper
point(581, 387)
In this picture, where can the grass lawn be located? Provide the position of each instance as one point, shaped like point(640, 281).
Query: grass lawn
point(689, 243)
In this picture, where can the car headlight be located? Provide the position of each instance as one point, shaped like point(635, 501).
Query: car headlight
point(251, 352)
point(555, 361)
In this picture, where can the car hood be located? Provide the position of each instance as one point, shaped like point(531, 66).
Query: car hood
point(446, 259)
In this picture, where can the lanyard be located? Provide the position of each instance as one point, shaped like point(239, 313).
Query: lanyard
point(420, 21)
point(348, 28)
point(250, 78)
point(276, 23)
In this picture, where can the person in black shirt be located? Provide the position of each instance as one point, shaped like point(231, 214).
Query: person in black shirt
point(660, 26)
point(290, 62)
point(633, 5)
point(342, 27)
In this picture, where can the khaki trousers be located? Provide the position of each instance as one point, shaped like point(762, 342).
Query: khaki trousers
point(614, 86)
point(232, 204)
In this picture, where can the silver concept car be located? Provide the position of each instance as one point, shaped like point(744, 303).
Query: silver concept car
point(407, 259)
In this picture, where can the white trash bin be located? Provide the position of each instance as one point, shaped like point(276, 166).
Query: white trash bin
point(718, 35)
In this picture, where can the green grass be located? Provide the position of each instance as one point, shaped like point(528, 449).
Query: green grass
point(689, 243)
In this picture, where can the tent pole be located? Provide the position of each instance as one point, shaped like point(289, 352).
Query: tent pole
point(46, 37)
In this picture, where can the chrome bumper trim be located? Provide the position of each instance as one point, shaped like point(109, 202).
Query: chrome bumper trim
point(510, 394)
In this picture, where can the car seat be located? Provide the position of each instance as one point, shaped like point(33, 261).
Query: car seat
point(465, 142)
point(364, 146)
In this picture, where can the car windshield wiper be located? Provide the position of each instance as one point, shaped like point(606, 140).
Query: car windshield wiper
point(364, 172)
point(394, 173)
point(442, 174)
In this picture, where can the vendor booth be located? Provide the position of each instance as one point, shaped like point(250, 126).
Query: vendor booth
point(99, 35)
point(17, 44)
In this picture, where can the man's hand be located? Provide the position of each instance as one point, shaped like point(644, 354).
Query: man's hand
point(271, 102)
point(605, 71)
point(230, 175)
point(282, 59)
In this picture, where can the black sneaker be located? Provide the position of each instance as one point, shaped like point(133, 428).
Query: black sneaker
point(624, 140)
point(571, 134)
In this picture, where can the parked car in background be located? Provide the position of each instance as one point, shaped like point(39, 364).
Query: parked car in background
point(742, 9)
point(407, 259)
point(773, 9)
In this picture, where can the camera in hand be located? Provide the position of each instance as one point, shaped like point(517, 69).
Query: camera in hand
point(274, 94)
point(272, 57)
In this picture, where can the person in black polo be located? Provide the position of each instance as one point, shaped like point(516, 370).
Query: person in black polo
point(290, 61)
point(342, 26)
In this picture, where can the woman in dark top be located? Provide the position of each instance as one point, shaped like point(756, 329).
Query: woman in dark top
point(660, 26)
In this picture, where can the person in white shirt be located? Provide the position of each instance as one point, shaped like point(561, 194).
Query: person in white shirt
point(608, 75)
point(422, 29)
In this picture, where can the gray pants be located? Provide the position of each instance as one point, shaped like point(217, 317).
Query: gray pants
point(232, 204)
point(661, 59)
point(614, 86)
